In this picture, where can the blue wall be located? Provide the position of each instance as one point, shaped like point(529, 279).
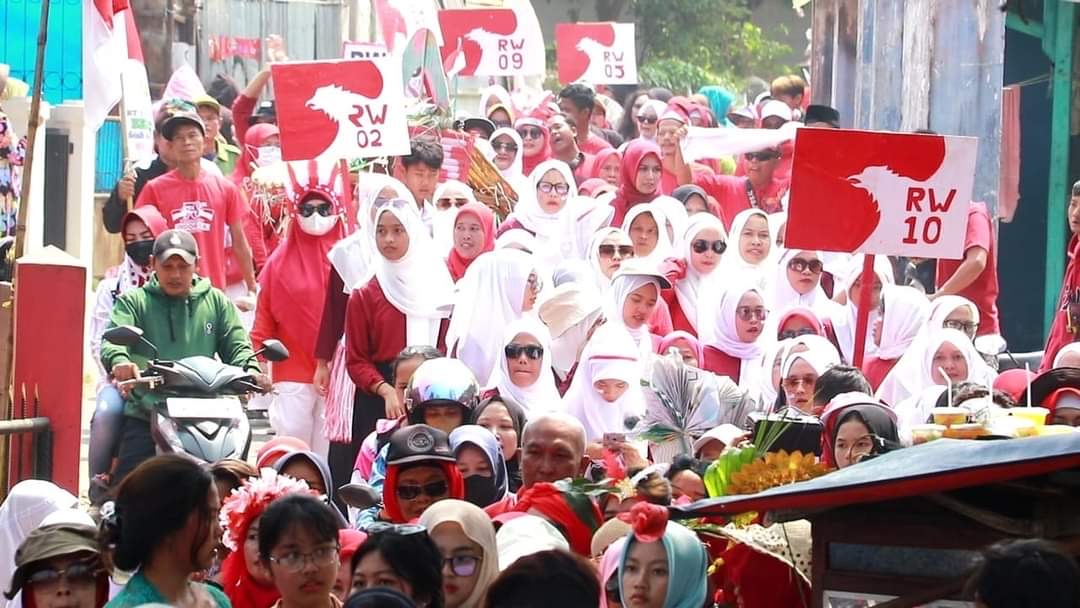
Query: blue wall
point(63, 52)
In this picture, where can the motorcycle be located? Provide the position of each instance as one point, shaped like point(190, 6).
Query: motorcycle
point(199, 401)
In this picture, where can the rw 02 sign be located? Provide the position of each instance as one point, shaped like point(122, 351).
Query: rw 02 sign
point(340, 109)
point(491, 42)
point(882, 193)
point(596, 53)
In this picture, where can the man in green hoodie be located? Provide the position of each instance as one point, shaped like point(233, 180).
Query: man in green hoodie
point(183, 316)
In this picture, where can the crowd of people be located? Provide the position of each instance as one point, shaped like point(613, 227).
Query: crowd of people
point(450, 371)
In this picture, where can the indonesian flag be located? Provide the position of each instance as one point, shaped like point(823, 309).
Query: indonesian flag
point(109, 40)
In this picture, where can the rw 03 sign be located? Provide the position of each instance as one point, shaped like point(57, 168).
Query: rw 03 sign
point(899, 194)
point(340, 109)
point(596, 53)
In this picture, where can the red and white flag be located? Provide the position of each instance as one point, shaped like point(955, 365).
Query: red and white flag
point(109, 40)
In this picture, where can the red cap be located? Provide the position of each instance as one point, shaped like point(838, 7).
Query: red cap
point(1014, 382)
point(277, 447)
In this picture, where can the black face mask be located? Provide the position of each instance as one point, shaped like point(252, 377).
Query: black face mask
point(140, 251)
point(480, 490)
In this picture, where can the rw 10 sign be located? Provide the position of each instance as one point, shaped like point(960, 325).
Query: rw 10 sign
point(883, 193)
point(596, 53)
point(340, 109)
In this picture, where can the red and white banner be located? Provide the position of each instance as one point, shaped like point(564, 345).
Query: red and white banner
point(399, 20)
point(109, 40)
point(596, 53)
point(884, 193)
point(490, 42)
point(340, 109)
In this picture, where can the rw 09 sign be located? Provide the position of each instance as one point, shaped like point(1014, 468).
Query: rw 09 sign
point(596, 53)
point(491, 42)
point(883, 193)
point(340, 109)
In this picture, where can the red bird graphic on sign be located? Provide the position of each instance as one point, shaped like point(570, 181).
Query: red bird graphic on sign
point(494, 42)
point(596, 53)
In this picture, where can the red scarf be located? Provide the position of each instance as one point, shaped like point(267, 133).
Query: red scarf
point(459, 264)
point(528, 163)
point(628, 194)
point(243, 590)
point(390, 499)
point(575, 515)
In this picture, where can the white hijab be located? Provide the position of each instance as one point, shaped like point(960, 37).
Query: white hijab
point(554, 235)
point(353, 256)
point(512, 174)
point(725, 337)
point(915, 408)
point(846, 319)
point(675, 214)
point(540, 396)
point(609, 355)
point(906, 313)
point(622, 285)
point(783, 295)
point(690, 289)
point(765, 388)
point(733, 265)
point(913, 373)
point(26, 506)
point(586, 216)
point(419, 284)
point(663, 249)
point(488, 298)
point(442, 221)
point(603, 283)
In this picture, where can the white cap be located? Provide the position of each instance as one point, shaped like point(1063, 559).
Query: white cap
point(775, 107)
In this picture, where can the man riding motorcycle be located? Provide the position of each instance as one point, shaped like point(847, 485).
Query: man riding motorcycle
point(183, 316)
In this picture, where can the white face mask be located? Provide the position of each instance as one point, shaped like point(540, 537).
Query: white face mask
point(268, 155)
point(317, 225)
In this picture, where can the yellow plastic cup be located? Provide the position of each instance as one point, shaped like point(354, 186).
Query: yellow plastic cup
point(1035, 414)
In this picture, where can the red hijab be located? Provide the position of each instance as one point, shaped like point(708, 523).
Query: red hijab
point(528, 163)
point(256, 136)
point(574, 514)
point(628, 194)
point(802, 313)
point(459, 264)
point(390, 499)
point(298, 270)
point(593, 164)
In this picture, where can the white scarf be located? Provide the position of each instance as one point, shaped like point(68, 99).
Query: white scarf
point(603, 283)
point(442, 221)
point(689, 289)
point(675, 214)
point(906, 313)
point(353, 256)
point(725, 337)
point(512, 174)
point(554, 236)
point(914, 408)
point(846, 320)
point(609, 355)
point(733, 265)
point(614, 302)
point(28, 503)
point(663, 248)
point(130, 275)
point(783, 296)
point(542, 395)
point(419, 283)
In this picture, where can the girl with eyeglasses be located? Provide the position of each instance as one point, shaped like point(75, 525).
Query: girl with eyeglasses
point(704, 244)
point(293, 294)
point(641, 172)
point(298, 545)
point(797, 282)
point(955, 312)
point(798, 322)
point(607, 386)
point(733, 343)
point(474, 234)
point(535, 140)
point(856, 426)
point(402, 558)
point(524, 372)
point(647, 117)
point(799, 375)
point(465, 538)
point(509, 153)
point(543, 212)
point(902, 314)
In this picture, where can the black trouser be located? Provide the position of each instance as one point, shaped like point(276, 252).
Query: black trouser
point(367, 410)
point(136, 445)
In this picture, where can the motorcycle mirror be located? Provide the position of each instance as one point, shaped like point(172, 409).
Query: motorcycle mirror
point(359, 495)
point(273, 350)
point(123, 335)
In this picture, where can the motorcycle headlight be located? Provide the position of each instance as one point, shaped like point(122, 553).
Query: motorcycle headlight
point(167, 429)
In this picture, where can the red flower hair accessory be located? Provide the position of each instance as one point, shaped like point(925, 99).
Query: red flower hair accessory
point(248, 502)
point(648, 521)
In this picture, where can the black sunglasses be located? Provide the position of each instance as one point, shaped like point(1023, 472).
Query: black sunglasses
point(608, 251)
point(648, 120)
point(307, 209)
point(80, 573)
point(701, 246)
point(762, 156)
point(795, 333)
point(507, 146)
point(799, 265)
point(434, 489)
point(530, 133)
point(400, 529)
point(532, 351)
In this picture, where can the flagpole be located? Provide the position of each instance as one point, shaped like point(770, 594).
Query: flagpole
point(20, 231)
point(125, 152)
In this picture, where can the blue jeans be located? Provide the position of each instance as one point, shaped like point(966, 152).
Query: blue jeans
point(105, 426)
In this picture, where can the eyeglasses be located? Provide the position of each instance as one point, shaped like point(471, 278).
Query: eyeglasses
point(800, 265)
point(860, 448)
point(792, 383)
point(307, 209)
point(462, 565)
point(747, 313)
point(534, 282)
point(762, 156)
point(968, 328)
point(445, 203)
point(608, 251)
point(294, 561)
point(795, 333)
point(648, 120)
point(547, 187)
point(701, 246)
point(532, 351)
point(83, 573)
point(504, 146)
point(530, 133)
point(380, 527)
point(434, 489)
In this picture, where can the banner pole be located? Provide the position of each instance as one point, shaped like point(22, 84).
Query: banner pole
point(865, 291)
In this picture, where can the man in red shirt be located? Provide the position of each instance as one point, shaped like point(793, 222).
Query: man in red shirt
point(974, 277)
point(758, 190)
point(1066, 325)
point(564, 145)
point(208, 206)
point(576, 101)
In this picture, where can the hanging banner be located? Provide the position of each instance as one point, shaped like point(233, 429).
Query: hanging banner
point(340, 109)
point(901, 194)
point(596, 53)
point(490, 42)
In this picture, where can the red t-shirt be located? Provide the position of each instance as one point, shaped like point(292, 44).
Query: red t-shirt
point(594, 144)
point(983, 291)
point(731, 194)
point(205, 207)
point(1060, 335)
